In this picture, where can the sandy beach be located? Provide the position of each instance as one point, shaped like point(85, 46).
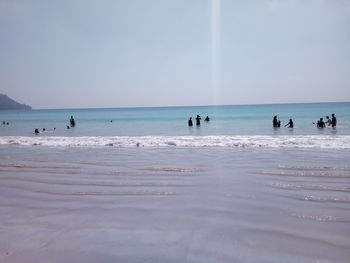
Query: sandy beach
point(173, 205)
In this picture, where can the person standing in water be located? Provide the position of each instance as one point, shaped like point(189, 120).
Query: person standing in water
point(207, 119)
point(198, 120)
point(72, 121)
point(321, 124)
point(190, 122)
point(276, 123)
point(334, 120)
point(290, 123)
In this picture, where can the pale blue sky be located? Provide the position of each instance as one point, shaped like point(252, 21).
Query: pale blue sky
point(133, 53)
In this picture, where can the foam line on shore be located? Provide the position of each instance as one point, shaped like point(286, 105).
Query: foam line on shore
point(324, 142)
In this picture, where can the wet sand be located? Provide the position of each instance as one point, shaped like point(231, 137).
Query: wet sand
point(173, 205)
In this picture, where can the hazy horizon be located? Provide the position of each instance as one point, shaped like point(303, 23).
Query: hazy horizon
point(174, 106)
point(126, 54)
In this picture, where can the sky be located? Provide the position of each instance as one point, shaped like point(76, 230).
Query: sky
point(138, 53)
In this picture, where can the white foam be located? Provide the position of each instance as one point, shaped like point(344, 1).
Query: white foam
point(326, 142)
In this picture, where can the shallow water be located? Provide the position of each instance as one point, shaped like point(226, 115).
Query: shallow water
point(172, 121)
point(174, 204)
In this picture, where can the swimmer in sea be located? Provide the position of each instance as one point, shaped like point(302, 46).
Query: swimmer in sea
point(321, 124)
point(275, 122)
point(290, 123)
point(334, 120)
point(328, 121)
point(190, 123)
point(198, 120)
point(72, 121)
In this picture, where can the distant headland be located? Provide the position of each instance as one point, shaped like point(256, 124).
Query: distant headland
point(7, 103)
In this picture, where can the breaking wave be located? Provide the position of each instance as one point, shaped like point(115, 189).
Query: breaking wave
point(324, 142)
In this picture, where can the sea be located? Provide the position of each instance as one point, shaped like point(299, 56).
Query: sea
point(140, 185)
point(229, 126)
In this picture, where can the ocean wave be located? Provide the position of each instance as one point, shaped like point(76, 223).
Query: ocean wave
point(324, 142)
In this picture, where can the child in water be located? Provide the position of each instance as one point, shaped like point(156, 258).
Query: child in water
point(290, 123)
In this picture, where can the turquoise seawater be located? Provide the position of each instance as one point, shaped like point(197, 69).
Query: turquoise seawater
point(172, 121)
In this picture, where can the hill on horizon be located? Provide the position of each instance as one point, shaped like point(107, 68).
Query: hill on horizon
point(6, 103)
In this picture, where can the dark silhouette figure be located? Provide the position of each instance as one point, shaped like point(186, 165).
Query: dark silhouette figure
point(190, 123)
point(321, 124)
point(68, 127)
point(7, 123)
point(290, 123)
point(276, 123)
point(328, 121)
point(334, 120)
point(3, 123)
point(72, 121)
point(36, 131)
point(207, 119)
point(198, 120)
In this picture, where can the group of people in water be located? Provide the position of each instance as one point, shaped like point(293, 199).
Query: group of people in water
point(198, 120)
point(320, 123)
point(36, 131)
point(330, 122)
point(71, 122)
point(5, 123)
point(275, 122)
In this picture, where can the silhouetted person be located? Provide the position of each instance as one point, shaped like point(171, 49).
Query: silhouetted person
point(68, 127)
point(290, 123)
point(7, 123)
point(334, 120)
point(190, 123)
point(328, 121)
point(321, 124)
point(276, 123)
point(3, 123)
point(44, 129)
point(198, 120)
point(36, 131)
point(207, 119)
point(72, 121)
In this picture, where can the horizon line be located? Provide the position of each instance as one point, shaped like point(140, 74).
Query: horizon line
point(184, 106)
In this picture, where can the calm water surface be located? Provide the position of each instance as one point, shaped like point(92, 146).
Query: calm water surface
point(172, 121)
